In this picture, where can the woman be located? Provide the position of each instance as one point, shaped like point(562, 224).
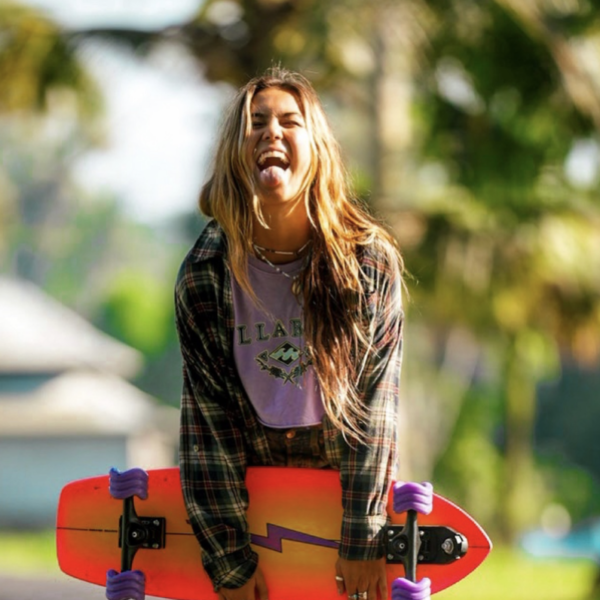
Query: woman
point(290, 319)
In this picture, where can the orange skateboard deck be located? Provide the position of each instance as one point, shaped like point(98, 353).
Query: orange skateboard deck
point(294, 517)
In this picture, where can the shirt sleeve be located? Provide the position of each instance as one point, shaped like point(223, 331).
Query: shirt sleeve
point(367, 469)
point(212, 449)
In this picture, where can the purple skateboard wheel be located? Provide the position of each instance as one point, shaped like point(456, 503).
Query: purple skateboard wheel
point(413, 496)
point(133, 482)
point(129, 585)
point(403, 589)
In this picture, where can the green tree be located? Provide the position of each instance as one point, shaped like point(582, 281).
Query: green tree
point(49, 109)
point(37, 60)
point(74, 242)
point(504, 238)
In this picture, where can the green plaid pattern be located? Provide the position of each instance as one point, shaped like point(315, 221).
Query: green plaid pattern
point(221, 436)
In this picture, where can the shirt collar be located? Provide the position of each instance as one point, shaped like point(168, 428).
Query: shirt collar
point(211, 243)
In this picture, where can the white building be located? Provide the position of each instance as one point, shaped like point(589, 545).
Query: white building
point(66, 409)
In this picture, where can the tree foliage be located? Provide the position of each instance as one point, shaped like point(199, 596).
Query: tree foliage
point(36, 59)
point(503, 232)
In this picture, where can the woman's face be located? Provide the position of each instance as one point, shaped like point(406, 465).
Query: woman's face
point(278, 148)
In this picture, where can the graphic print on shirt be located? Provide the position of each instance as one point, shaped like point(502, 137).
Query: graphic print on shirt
point(287, 361)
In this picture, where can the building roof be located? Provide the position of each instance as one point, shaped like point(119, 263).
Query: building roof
point(84, 403)
point(40, 335)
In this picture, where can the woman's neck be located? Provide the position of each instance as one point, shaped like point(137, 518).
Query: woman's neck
point(286, 239)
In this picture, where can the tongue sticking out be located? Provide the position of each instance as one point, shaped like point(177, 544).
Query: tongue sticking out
point(272, 176)
point(272, 166)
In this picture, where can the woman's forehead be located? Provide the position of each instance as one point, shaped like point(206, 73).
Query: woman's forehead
point(275, 100)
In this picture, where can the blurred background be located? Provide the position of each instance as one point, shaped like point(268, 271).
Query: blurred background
point(470, 126)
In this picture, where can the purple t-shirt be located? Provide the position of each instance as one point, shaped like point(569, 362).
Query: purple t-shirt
point(269, 349)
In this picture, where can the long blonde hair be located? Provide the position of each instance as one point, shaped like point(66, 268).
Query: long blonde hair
point(337, 337)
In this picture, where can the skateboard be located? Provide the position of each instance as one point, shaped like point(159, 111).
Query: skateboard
point(294, 517)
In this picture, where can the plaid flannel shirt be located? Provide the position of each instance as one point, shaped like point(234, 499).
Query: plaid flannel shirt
point(221, 435)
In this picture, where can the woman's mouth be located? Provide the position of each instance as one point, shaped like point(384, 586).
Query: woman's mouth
point(272, 158)
point(273, 166)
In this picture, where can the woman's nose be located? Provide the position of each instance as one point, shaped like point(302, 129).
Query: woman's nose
point(273, 130)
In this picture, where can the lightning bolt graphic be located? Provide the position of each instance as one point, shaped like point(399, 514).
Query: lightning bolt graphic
point(276, 534)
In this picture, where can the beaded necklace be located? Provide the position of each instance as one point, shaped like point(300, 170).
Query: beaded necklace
point(284, 252)
point(296, 283)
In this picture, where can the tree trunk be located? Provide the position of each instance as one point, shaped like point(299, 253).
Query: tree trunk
point(520, 484)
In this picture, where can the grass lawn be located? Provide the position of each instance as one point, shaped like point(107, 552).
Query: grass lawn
point(513, 575)
point(27, 553)
point(505, 575)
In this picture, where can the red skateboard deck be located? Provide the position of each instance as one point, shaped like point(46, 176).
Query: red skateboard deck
point(294, 517)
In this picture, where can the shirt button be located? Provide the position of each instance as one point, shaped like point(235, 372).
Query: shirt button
point(291, 434)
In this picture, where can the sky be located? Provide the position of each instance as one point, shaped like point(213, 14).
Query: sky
point(161, 116)
point(161, 121)
point(97, 13)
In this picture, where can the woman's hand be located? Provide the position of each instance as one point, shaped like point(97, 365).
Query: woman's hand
point(360, 576)
point(254, 588)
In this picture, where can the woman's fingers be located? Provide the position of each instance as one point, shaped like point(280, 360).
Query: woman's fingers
point(255, 585)
point(339, 580)
point(261, 586)
point(361, 579)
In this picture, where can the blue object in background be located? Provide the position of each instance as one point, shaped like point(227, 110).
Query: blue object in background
point(581, 542)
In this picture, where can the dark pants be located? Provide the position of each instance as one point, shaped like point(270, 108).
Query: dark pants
point(298, 447)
